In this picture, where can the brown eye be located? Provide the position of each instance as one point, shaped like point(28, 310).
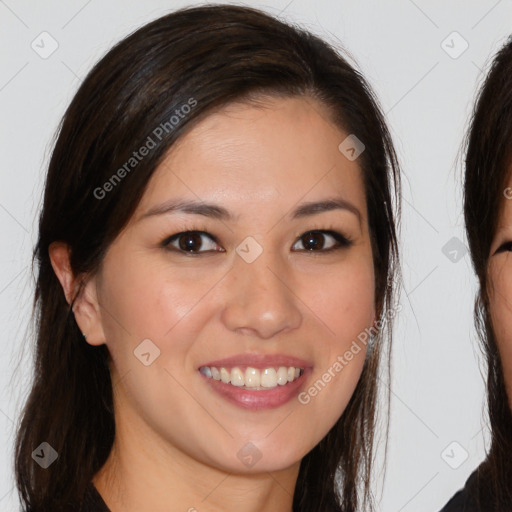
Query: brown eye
point(322, 241)
point(313, 241)
point(191, 242)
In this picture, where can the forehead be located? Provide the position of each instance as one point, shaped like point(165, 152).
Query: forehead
point(285, 149)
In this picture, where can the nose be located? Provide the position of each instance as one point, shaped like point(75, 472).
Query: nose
point(259, 298)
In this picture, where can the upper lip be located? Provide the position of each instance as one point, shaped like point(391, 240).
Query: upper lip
point(259, 361)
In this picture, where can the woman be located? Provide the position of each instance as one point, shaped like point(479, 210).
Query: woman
point(216, 258)
point(488, 216)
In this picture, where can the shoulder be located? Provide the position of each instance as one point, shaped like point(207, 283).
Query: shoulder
point(457, 502)
point(462, 500)
point(93, 502)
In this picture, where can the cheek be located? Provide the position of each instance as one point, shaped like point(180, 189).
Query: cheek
point(144, 299)
point(501, 315)
point(142, 302)
point(345, 301)
point(345, 304)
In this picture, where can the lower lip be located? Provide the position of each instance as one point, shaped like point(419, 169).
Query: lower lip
point(257, 400)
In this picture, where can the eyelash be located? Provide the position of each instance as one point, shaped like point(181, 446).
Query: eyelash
point(341, 241)
point(507, 246)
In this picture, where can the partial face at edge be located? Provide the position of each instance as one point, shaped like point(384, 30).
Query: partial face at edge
point(257, 284)
point(500, 287)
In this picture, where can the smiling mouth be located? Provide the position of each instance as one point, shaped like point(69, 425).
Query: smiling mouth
point(253, 379)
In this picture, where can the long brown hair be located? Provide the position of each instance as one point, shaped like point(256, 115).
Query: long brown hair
point(215, 55)
point(487, 168)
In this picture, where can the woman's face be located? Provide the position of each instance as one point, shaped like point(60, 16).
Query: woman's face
point(500, 288)
point(250, 297)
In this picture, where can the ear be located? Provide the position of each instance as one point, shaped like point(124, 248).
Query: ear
point(86, 307)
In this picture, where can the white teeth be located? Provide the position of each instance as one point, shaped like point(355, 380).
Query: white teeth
point(225, 376)
point(269, 378)
point(206, 370)
point(282, 375)
point(237, 378)
point(253, 378)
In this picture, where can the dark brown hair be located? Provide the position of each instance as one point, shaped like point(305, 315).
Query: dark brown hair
point(487, 168)
point(213, 55)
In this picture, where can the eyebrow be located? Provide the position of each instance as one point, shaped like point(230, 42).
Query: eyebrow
point(220, 213)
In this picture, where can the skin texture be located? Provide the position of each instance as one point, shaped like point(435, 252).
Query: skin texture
point(500, 290)
point(177, 440)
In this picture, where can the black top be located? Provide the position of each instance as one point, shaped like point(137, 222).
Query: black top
point(93, 502)
point(462, 501)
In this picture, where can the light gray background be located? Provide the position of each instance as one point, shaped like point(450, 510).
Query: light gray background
point(437, 393)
